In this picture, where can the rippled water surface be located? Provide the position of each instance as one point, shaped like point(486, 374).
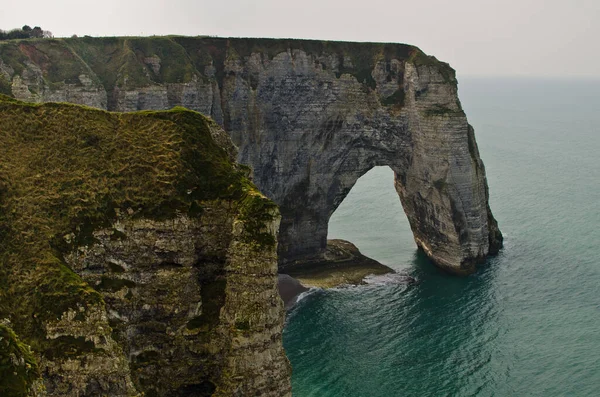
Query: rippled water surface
point(528, 323)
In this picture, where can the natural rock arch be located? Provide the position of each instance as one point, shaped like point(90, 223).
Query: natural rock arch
point(309, 117)
point(320, 133)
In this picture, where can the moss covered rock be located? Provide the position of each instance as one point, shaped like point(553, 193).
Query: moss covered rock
point(70, 173)
point(18, 367)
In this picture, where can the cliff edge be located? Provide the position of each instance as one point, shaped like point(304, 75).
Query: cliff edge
point(135, 257)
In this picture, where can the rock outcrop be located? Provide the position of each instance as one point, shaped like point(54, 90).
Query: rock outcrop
point(341, 264)
point(135, 257)
point(309, 117)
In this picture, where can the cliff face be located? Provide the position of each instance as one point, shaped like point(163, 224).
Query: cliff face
point(135, 257)
point(309, 117)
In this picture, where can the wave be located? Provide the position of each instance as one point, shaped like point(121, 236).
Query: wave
point(389, 278)
point(305, 294)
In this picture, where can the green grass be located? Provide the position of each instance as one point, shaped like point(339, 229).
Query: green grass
point(65, 169)
point(121, 62)
point(58, 63)
point(175, 65)
point(112, 60)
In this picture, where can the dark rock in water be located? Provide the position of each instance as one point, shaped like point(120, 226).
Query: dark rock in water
point(289, 289)
point(342, 264)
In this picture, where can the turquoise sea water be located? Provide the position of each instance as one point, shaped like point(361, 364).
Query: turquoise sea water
point(528, 323)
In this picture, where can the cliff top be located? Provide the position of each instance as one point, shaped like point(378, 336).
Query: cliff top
point(140, 61)
point(67, 170)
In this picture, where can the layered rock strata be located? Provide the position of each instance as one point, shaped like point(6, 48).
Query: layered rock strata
point(309, 117)
point(136, 257)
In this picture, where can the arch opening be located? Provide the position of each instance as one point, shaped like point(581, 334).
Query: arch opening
point(371, 216)
point(363, 229)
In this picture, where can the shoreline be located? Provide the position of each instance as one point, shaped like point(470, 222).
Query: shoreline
point(342, 264)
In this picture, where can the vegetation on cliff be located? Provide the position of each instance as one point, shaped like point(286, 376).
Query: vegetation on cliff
point(67, 170)
point(18, 368)
point(26, 32)
point(118, 62)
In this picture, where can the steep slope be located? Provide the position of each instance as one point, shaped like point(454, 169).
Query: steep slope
point(310, 117)
point(18, 368)
point(135, 256)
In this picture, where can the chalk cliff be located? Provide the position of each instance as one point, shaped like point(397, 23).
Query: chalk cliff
point(135, 257)
point(309, 117)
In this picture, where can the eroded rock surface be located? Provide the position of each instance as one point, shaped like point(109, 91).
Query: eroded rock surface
point(136, 258)
point(193, 307)
point(309, 117)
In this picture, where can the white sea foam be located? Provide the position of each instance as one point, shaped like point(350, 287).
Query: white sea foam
point(306, 294)
point(389, 278)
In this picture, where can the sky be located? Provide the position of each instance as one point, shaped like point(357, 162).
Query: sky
point(543, 38)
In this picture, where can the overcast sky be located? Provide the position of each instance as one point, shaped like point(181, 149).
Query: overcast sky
point(477, 37)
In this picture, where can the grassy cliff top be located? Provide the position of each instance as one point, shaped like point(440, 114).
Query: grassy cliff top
point(142, 61)
point(68, 170)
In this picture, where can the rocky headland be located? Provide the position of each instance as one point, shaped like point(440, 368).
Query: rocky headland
point(137, 256)
point(309, 117)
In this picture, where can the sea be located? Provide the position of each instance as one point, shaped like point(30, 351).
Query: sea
point(528, 322)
